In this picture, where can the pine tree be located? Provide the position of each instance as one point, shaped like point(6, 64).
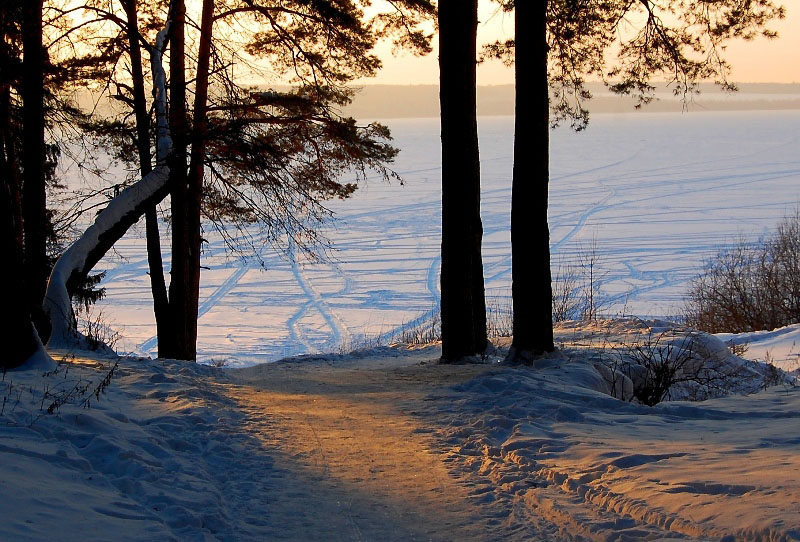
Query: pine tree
point(251, 157)
point(559, 43)
point(34, 198)
point(19, 328)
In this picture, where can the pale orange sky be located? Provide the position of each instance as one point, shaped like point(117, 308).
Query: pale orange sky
point(761, 60)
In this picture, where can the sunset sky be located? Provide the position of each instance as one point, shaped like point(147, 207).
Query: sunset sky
point(765, 61)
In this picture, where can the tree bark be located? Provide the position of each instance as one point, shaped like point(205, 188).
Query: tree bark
point(157, 283)
point(194, 193)
point(181, 252)
point(530, 236)
point(463, 304)
point(34, 199)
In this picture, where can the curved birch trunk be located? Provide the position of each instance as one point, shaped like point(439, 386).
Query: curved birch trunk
point(111, 224)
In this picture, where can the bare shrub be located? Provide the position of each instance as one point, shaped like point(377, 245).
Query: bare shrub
point(97, 329)
point(589, 261)
point(738, 348)
point(426, 332)
point(772, 375)
point(678, 363)
point(360, 342)
point(568, 301)
point(750, 286)
point(74, 382)
point(576, 287)
point(499, 317)
point(656, 363)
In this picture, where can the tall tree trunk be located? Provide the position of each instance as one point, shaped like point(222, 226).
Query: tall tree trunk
point(19, 328)
point(157, 283)
point(195, 184)
point(34, 200)
point(530, 236)
point(179, 303)
point(463, 304)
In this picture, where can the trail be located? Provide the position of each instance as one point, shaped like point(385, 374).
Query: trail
point(357, 463)
point(387, 448)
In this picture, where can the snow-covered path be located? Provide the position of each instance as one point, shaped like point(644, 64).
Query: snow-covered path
point(360, 465)
point(387, 445)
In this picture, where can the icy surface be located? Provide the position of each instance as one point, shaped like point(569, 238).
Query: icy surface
point(658, 192)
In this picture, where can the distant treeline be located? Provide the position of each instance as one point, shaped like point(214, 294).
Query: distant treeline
point(394, 101)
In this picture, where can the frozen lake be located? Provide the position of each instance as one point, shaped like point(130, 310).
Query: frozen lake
point(658, 193)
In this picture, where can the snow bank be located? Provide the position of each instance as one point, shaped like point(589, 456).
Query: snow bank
point(659, 360)
point(551, 440)
point(143, 459)
point(780, 346)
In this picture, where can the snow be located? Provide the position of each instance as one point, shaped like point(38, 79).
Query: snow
point(57, 302)
point(659, 193)
point(385, 444)
point(612, 470)
point(780, 346)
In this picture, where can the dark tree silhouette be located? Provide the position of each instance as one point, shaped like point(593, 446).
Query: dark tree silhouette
point(463, 306)
point(530, 237)
point(138, 101)
point(34, 198)
point(19, 328)
point(558, 44)
point(176, 343)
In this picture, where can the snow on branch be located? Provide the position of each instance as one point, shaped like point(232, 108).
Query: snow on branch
point(112, 222)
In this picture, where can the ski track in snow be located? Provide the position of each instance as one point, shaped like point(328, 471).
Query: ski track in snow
point(339, 332)
point(658, 193)
point(206, 305)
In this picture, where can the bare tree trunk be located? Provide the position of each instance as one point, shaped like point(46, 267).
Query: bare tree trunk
point(179, 297)
point(157, 283)
point(112, 222)
point(195, 185)
point(463, 304)
point(530, 236)
point(34, 199)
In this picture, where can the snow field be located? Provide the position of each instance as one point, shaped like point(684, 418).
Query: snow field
point(656, 193)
